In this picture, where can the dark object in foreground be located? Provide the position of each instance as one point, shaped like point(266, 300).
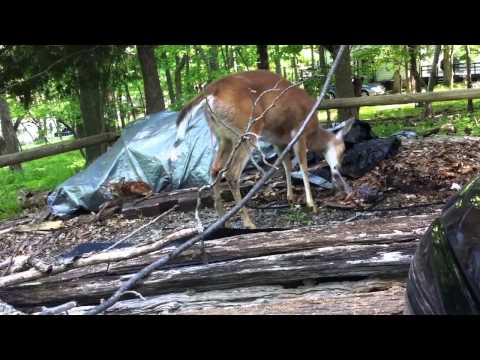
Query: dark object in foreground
point(444, 276)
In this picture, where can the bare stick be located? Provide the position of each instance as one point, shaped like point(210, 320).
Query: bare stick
point(220, 222)
point(12, 258)
point(58, 309)
point(141, 228)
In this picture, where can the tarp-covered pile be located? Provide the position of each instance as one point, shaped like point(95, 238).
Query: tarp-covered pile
point(153, 151)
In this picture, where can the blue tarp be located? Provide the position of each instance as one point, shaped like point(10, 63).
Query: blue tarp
point(149, 150)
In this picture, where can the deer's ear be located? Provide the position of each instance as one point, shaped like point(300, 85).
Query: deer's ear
point(348, 126)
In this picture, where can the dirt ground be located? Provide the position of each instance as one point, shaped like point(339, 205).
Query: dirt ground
point(417, 180)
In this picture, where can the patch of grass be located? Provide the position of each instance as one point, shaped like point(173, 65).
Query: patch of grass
point(298, 216)
point(37, 175)
point(396, 116)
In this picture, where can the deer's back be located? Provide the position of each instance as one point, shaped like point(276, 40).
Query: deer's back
point(238, 92)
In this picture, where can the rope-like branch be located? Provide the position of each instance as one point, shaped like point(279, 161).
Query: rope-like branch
point(220, 222)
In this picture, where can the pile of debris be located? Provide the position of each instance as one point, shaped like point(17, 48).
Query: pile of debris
point(431, 169)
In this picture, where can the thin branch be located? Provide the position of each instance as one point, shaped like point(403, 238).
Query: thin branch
point(141, 228)
point(58, 309)
point(220, 222)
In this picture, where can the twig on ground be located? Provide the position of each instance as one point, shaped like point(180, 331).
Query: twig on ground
point(141, 228)
point(58, 309)
point(220, 222)
point(136, 293)
point(12, 258)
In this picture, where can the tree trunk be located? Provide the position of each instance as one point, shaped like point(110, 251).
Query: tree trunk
point(321, 59)
point(45, 130)
point(343, 84)
point(91, 102)
point(278, 63)
point(469, 76)
point(168, 75)
point(447, 66)
point(188, 76)
point(262, 57)
point(200, 54)
point(130, 101)
point(151, 83)
point(397, 82)
point(416, 80)
point(295, 68)
point(10, 139)
point(312, 57)
point(213, 59)
point(357, 86)
point(179, 65)
point(408, 84)
point(433, 79)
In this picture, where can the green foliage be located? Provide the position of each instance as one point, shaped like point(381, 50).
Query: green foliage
point(298, 215)
point(38, 175)
point(452, 112)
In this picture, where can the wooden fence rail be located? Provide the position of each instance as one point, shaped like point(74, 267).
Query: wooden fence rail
point(62, 147)
point(48, 150)
point(400, 99)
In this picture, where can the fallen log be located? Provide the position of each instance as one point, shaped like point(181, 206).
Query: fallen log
point(185, 200)
point(366, 297)
point(381, 247)
point(58, 148)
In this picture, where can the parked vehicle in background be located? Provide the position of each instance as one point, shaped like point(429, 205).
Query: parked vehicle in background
point(367, 90)
point(64, 132)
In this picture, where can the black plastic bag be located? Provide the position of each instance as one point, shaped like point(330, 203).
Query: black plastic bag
point(444, 276)
point(363, 157)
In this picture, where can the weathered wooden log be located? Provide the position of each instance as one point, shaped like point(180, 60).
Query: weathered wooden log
point(57, 148)
point(365, 297)
point(399, 99)
point(381, 247)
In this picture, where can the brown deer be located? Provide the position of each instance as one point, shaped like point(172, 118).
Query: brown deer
point(229, 107)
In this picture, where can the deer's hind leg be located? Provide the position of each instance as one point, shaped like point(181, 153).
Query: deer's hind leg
point(224, 149)
point(300, 149)
point(239, 160)
point(287, 166)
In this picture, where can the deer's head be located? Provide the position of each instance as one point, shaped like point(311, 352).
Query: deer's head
point(333, 153)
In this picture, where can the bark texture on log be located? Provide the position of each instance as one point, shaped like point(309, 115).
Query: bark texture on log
point(366, 297)
point(381, 247)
